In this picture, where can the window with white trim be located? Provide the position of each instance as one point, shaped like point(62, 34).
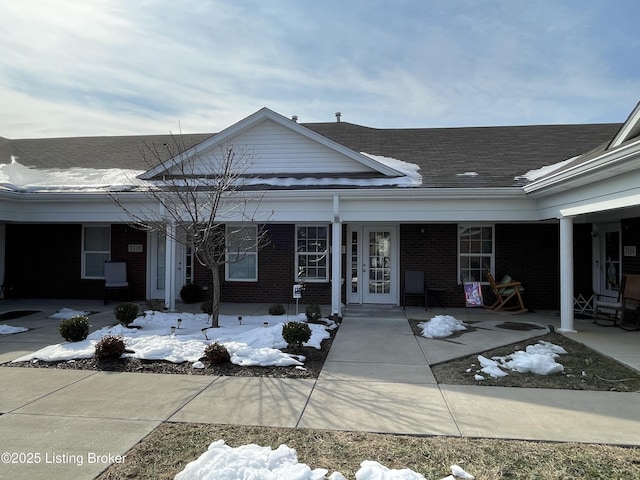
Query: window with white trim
point(241, 253)
point(475, 252)
point(312, 253)
point(96, 249)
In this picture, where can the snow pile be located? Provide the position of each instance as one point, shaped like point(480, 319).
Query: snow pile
point(17, 177)
point(20, 178)
point(182, 337)
point(8, 330)
point(65, 313)
point(532, 175)
point(248, 462)
point(539, 359)
point(441, 326)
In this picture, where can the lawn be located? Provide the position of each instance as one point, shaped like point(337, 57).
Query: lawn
point(167, 450)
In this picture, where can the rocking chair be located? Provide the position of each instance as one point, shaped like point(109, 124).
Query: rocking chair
point(507, 293)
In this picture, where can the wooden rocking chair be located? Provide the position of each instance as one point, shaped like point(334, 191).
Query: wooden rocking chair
point(508, 294)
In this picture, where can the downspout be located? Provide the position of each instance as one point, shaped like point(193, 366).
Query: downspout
point(336, 259)
point(566, 274)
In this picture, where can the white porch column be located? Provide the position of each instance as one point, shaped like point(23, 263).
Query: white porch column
point(566, 274)
point(336, 259)
point(170, 268)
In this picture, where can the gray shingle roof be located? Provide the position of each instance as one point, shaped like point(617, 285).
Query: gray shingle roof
point(496, 154)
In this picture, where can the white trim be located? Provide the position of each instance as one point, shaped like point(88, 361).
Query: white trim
point(258, 117)
point(630, 128)
point(83, 252)
point(246, 254)
point(492, 255)
point(328, 239)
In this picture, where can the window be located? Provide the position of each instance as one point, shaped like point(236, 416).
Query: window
point(475, 244)
point(312, 253)
point(242, 253)
point(96, 249)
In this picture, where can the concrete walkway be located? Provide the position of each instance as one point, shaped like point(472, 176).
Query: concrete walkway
point(73, 424)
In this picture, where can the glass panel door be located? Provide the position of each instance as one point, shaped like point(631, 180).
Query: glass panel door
point(379, 266)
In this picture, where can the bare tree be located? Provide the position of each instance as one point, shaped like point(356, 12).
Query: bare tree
point(202, 201)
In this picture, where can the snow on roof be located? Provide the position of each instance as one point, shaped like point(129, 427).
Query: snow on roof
point(19, 178)
point(532, 175)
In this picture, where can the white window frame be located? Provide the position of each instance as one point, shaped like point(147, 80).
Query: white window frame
point(228, 271)
point(86, 252)
point(481, 254)
point(325, 254)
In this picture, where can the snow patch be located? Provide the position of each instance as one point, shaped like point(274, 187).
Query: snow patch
point(441, 326)
point(539, 359)
point(222, 462)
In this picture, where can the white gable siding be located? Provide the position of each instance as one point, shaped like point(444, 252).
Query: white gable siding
point(273, 149)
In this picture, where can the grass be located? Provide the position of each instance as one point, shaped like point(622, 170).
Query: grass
point(167, 450)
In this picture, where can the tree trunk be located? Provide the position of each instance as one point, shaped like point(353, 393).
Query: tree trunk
point(215, 301)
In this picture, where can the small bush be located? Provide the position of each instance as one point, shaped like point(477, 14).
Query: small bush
point(313, 312)
point(74, 329)
point(216, 353)
point(155, 304)
point(126, 313)
point(296, 333)
point(276, 309)
point(190, 293)
point(110, 347)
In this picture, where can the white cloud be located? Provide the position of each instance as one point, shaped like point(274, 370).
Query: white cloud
point(119, 67)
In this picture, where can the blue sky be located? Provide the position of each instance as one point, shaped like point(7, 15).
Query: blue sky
point(122, 67)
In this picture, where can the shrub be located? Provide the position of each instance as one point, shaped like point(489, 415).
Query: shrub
point(296, 333)
point(276, 309)
point(313, 312)
point(126, 313)
point(74, 329)
point(216, 353)
point(155, 304)
point(110, 347)
point(190, 293)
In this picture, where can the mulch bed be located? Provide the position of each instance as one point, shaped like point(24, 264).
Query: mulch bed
point(312, 365)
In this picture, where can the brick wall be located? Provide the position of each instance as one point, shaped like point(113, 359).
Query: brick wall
point(432, 248)
point(44, 261)
point(276, 264)
point(530, 253)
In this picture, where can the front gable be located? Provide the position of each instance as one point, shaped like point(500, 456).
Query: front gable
point(276, 147)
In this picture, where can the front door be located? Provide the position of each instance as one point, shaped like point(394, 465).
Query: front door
point(373, 256)
point(607, 275)
point(158, 270)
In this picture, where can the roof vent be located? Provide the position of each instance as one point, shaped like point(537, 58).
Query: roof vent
point(295, 118)
point(338, 115)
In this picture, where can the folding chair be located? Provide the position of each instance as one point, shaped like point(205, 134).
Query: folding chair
point(115, 278)
point(414, 285)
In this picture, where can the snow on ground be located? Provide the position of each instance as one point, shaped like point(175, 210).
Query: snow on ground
point(441, 326)
point(8, 330)
point(182, 337)
point(248, 462)
point(539, 359)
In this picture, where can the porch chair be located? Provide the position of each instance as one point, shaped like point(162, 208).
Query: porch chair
point(508, 294)
point(630, 312)
point(115, 278)
point(414, 285)
point(609, 309)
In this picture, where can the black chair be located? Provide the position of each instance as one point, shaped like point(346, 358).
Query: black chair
point(115, 278)
point(414, 285)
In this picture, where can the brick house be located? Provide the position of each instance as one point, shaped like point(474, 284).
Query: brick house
point(350, 210)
